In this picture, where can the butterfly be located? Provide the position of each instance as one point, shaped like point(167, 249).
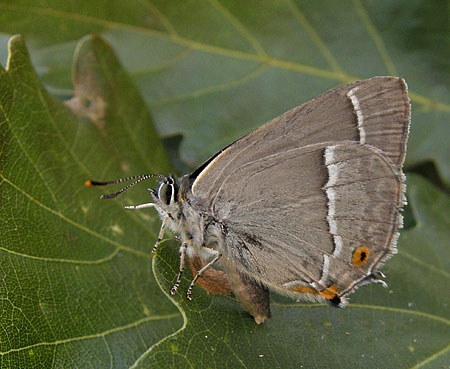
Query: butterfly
point(307, 205)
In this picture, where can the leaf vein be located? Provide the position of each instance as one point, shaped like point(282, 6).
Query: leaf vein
point(212, 89)
point(69, 261)
point(239, 27)
point(75, 224)
point(375, 36)
point(161, 66)
point(181, 311)
point(164, 20)
point(25, 152)
point(281, 64)
point(432, 357)
point(315, 37)
point(426, 265)
point(94, 335)
point(374, 307)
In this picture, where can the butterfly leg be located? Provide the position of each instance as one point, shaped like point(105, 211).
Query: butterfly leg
point(200, 272)
point(376, 278)
point(183, 249)
point(160, 235)
point(163, 225)
point(140, 206)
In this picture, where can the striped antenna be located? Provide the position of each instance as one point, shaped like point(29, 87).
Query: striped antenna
point(138, 179)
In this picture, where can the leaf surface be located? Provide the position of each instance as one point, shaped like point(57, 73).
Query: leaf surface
point(78, 285)
point(76, 280)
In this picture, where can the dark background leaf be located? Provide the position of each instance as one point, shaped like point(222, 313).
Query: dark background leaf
point(77, 285)
point(214, 70)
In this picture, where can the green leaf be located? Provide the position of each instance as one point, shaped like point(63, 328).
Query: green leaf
point(77, 284)
point(214, 70)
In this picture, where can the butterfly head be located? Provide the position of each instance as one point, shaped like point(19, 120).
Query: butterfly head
point(166, 195)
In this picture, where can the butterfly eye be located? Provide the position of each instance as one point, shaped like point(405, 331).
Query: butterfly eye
point(165, 193)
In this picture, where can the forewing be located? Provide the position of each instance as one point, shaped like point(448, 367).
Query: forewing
point(374, 111)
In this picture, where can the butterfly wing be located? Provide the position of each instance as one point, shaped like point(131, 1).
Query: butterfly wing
point(374, 111)
point(310, 201)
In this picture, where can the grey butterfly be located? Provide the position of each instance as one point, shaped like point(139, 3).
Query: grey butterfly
point(308, 205)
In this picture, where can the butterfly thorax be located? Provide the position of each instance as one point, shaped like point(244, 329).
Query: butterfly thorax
point(173, 200)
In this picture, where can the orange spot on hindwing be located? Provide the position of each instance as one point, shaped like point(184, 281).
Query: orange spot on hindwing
point(360, 256)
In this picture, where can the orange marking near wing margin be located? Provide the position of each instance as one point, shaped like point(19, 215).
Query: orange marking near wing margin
point(329, 293)
point(360, 256)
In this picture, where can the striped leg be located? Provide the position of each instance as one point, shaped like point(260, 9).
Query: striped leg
point(140, 206)
point(160, 235)
point(163, 225)
point(200, 272)
point(183, 248)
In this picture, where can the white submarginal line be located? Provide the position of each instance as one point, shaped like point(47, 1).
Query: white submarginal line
point(359, 115)
point(326, 266)
point(331, 194)
point(331, 167)
point(329, 155)
point(333, 172)
point(337, 245)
